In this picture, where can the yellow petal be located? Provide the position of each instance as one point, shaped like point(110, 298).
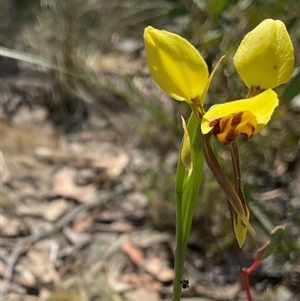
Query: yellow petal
point(175, 65)
point(265, 57)
point(261, 106)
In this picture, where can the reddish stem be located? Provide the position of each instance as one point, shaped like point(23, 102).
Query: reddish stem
point(253, 267)
point(245, 275)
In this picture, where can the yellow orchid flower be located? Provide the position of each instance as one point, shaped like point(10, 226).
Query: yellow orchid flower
point(175, 65)
point(244, 116)
point(265, 57)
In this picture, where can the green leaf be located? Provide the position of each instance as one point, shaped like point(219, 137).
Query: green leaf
point(187, 189)
point(28, 58)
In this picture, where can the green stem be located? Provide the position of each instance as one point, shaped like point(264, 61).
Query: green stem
point(187, 190)
point(180, 246)
point(179, 252)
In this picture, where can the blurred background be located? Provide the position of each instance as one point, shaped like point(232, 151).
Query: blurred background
point(89, 149)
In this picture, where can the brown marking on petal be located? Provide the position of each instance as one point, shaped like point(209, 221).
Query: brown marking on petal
point(230, 126)
point(230, 136)
point(237, 119)
point(216, 129)
point(214, 122)
point(275, 67)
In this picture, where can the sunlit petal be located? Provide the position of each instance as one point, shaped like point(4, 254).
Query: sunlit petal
point(260, 106)
point(265, 57)
point(175, 65)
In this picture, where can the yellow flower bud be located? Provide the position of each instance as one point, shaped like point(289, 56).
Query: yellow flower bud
point(265, 57)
